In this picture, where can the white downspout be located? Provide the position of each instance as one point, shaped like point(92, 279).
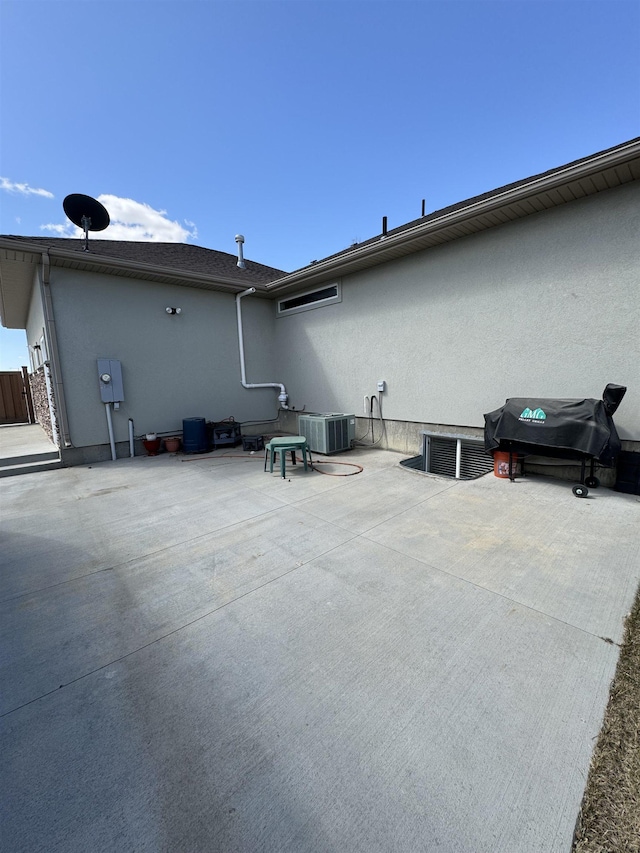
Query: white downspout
point(283, 396)
point(132, 451)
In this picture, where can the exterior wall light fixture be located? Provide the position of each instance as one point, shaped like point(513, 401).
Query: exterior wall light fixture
point(173, 310)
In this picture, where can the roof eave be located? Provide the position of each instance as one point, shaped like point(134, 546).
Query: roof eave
point(13, 310)
point(408, 240)
point(119, 266)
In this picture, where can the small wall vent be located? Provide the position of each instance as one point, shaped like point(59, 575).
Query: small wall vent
point(330, 433)
point(453, 455)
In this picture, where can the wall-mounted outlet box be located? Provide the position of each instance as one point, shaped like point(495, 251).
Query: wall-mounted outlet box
point(382, 385)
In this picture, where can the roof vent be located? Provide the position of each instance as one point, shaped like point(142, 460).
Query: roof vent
point(240, 240)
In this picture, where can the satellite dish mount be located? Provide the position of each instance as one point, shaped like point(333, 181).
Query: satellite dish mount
point(87, 213)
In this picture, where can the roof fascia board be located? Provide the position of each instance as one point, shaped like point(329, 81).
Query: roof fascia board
point(544, 183)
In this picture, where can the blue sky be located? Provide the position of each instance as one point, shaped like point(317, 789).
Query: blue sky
point(298, 123)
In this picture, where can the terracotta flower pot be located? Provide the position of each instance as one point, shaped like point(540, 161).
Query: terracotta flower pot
point(152, 446)
point(172, 445)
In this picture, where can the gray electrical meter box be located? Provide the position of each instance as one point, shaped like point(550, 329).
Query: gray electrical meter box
point(110, 376)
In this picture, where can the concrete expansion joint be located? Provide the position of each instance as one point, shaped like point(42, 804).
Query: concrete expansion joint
point(125, 563)
point(299, 564)
point(515, 601)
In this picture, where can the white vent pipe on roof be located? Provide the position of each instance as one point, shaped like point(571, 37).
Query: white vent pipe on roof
point(240, 240)
point(283, 396)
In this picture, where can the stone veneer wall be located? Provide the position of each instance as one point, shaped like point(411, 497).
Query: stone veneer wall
point(40, 397)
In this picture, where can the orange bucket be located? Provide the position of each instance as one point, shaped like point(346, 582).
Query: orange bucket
point(501, 464)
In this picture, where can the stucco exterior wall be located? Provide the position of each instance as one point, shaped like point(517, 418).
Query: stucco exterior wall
point(173, 367)
point(547, 306)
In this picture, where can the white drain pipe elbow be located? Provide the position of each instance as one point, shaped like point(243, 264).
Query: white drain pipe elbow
point(283, 397)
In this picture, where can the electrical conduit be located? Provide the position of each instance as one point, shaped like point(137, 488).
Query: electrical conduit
point(110, 428)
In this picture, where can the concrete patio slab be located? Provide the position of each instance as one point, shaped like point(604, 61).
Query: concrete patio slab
point(361, 505)
point(104, 519)
point(152, 595)
point(25, 448)
point(21, 440)
point(199, 656)
point(573, 559)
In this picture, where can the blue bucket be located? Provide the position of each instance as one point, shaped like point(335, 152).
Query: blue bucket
point(194, 435)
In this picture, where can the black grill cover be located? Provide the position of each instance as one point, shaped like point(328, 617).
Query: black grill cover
point(569, 429)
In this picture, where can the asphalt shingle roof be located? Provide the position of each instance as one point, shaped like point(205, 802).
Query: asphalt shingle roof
point(443, 211)
point(210, 262)
point(179, 256)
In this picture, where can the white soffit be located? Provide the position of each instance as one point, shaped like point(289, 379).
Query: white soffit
point(17, 270)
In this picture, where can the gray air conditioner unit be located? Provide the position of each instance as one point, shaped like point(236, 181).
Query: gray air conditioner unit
point(329, 433)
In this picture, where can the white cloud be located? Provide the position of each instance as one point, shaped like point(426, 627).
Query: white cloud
point(62, 230)
point(132, 220)
point(24, 189)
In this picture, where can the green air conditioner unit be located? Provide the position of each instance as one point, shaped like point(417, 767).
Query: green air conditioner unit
point(329, 433)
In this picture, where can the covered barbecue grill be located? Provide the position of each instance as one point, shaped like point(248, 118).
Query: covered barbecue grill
point(565, 429)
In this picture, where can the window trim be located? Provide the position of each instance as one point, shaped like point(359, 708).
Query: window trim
point(316, 303)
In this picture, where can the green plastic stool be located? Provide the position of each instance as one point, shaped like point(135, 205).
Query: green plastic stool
point(283, 445)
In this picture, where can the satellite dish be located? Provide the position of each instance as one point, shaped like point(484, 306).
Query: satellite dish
point(87, 213)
